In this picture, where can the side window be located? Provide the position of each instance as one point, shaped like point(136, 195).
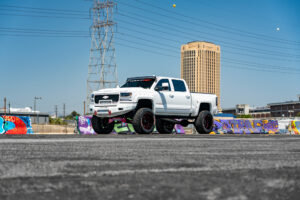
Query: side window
point(179, 86)
point(159, 84)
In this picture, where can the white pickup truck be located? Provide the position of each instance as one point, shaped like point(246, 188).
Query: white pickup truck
point(152, 101)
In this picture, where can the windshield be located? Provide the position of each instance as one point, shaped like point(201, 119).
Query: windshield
point(144, 83)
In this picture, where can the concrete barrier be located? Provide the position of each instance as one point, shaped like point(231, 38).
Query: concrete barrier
point(295, 127)
point(84, 126)
point(244, 126)
point(15, 125)
point(52, 129)
point(221, 126)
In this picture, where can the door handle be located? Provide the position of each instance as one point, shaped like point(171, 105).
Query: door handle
point(171, 95)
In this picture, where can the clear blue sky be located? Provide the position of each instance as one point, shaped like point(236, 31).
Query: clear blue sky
point(259, 64)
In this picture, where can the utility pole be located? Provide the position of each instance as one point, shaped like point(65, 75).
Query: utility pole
point(102, 69)
point(35, 111)
point(9, 107)
point(83, 108)
point(55, 110)
point(4, 106)
point(64, 109)
point(66, 125)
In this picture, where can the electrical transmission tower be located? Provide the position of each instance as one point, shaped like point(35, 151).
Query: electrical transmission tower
point(102, 70)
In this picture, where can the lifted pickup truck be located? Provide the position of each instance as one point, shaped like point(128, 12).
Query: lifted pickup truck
point(152, 101)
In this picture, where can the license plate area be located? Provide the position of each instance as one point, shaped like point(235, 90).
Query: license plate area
point(104, 102)
point(102, 111)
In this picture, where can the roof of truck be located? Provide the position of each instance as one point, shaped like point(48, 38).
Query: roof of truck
point(150, 77)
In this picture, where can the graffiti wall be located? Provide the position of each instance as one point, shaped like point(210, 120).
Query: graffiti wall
point(15, 125)
point(295, 127)
point(221, 126)
point(84, 126)
point(240, 126)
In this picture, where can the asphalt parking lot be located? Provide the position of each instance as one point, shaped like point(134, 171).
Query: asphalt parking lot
point(150, 167)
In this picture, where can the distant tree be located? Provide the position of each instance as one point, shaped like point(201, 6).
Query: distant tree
point(244, 116)
point(72, 115)
point(298, 115)
point(57, 121)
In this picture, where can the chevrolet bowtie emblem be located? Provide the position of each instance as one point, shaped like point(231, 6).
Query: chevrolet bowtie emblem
point(105, 97)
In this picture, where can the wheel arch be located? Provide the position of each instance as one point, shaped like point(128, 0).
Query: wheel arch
point(145, 103)
point(204, 106)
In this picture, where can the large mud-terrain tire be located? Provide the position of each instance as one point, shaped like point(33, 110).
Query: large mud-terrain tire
point(102, 125)
point(143, 121)
point(204, 122)
point(164, 127)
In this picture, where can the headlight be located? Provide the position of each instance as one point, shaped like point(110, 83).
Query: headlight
point(93, 98)
point(126, 96)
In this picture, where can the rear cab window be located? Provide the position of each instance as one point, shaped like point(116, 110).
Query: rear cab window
point(179, 85)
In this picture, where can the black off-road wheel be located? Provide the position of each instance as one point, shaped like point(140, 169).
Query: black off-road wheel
point(102, 125)
point(164, 127)
point(204, 122)
point(143, 121)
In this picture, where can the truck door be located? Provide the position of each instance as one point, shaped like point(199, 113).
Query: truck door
point(181, 103)
point(163, 98)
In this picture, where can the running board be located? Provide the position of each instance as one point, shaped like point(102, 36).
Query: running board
point(182, 122)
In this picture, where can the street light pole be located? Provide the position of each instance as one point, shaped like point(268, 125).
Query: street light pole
point(37, 115)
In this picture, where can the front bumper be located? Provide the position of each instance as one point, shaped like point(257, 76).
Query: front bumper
point(113, 110)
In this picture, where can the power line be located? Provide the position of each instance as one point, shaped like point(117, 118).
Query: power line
point(258, 69)
point(41, 12)
point(42, 30)
point(260, 64)
point(47, 9)
point(251, 68)
point(44, 16)
point(229, 46)
point(146, 50)
point(217, 26)
point(179, 43)
point(162, 46)
point(77, 12)
point(200, 31)
point(174, 49)
point(43, 35)
point(232, 45)
point(156, 24)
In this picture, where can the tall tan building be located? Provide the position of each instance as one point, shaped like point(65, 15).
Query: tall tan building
point(200, 67)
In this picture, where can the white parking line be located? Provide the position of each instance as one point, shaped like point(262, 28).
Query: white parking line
point(146, 171)
point(50, 140)
point(135, 171)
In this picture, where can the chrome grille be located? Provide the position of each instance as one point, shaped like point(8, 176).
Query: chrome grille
point(107, 97)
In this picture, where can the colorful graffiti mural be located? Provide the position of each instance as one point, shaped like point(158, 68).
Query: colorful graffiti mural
point(295, 127)
point(15, 125)
point(240, 126)
point(84, 126)
point(221, 126)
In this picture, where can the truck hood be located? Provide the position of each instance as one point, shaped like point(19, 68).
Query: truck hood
point(119, 90)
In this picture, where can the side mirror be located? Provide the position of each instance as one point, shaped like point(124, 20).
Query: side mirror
point(165, 86)
point(158, 88)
